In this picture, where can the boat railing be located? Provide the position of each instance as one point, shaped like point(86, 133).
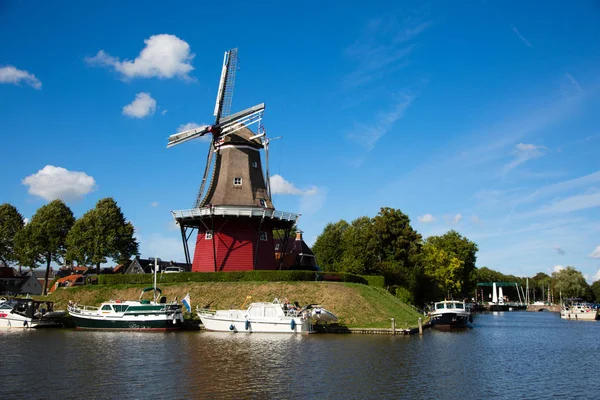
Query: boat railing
point(205, 310)
point(80, 308)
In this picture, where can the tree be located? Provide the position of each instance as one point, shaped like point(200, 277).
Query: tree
point(395, 244)
point(11, 222)
point(443, 269)
point(44, 238)
point(595, 288)
point(464, 250)
point(328, 247)
point(569, 282)
point(357, 256)
point(102, 233)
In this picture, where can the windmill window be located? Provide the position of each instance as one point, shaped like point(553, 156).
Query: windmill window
point(208, 235)
point(237, 181)
point(262, 202)
point(254, 164)
point(263, 236)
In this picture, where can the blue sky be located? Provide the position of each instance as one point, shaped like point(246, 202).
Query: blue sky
point(480, 117)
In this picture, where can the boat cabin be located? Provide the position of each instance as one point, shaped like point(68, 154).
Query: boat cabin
point(450, 305)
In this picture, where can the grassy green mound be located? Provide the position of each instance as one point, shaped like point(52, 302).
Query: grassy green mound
point(356, 305)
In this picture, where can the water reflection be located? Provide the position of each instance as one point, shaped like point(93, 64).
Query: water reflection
point(504, 355)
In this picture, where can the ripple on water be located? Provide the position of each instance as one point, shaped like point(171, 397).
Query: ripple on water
point(504, 355)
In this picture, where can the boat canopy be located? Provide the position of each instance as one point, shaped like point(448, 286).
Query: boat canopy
point(151, 289)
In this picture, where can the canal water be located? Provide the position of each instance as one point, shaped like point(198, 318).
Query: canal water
point(503, 355)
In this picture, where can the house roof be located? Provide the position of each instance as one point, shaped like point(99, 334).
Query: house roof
point(7, 272)
point(70, 278)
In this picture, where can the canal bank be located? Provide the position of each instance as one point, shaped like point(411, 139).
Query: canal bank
point(357, 306)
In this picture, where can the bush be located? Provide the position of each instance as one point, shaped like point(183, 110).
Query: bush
point(238, 276)
point(404, 295)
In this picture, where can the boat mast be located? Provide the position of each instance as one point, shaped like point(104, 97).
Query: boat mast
point(155, 268)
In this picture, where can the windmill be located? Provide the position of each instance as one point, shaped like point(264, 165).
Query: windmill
point(233, 213)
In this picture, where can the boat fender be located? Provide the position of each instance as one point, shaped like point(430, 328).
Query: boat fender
point(231, 327)
point(293, 324)
point(247, 325)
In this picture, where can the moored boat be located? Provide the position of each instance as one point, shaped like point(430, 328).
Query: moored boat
point(579, 311)
point(28, 313)
point(274, 317)
point(451, 313)
point(130, 314)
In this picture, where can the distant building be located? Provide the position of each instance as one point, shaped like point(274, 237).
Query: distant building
point(295, 254)
point(146, 266)
point(13, 283)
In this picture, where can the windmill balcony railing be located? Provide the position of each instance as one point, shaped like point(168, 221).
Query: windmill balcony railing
point(234, 212)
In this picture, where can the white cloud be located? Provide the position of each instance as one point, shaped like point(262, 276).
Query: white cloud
point(557, 268)
point(596, 276)
point(165, 56)
point(523, 152)
point(572, 203)
point(427, 218)
point(573, 82)
point(154, 204)
point(368, 134)
point(141, 107)
point(453, 219)
point(382, 48)
point(10, 74)
point(192, 125)
point(516, 31)
point(476, 219)
point(312, 201)
point(595, 253)
point(559, 250)
point(173, 226)
point(25, 221)
point(53, 183)
point(281, 186)
point(164, 247)
point(163, 112)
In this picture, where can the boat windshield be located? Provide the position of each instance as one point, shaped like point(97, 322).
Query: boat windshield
point(459, 305)
point(439, 306)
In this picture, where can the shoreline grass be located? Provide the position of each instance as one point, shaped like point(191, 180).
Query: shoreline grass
point(356, 305)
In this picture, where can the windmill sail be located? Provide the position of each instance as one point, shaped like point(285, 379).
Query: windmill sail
point(226, 84)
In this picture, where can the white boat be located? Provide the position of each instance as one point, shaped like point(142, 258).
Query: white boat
point(274, 317)
point(129, 314)
point(28, 313)
point(578, 311)
point(451, 313)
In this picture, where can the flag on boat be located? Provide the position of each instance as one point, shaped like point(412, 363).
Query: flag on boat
point(187, 302)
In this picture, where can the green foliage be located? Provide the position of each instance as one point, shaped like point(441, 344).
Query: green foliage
point(11, 222)
point(394, 243)
point(595, 288)
point(464, 251)
point(404, 295)
point(281, 233)
point(44, 238)
point(328, 247)
point(357, 255)
point(570, 283)
point(239, 276)
point(444, 269)
point(102, 233)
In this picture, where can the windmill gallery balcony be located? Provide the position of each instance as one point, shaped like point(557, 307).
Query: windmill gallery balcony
point(187, 216)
